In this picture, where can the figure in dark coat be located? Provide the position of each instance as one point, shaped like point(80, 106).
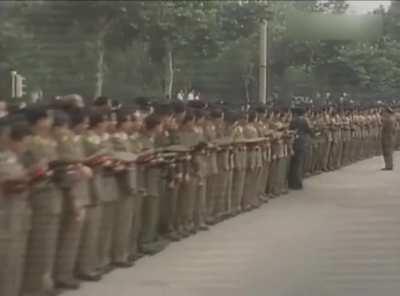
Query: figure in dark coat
point(388, 134)
point(303, 131)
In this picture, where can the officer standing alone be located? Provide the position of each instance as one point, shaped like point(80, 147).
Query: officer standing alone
point(388, 135)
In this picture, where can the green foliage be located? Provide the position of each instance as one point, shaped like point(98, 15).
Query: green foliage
point(57, 46)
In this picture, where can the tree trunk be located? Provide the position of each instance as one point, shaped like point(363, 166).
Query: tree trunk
point(100, 67)
point(169, 75)
point(248, 76)
point(246, 89)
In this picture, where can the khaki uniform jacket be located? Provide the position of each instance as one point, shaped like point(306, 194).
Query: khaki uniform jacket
point(70, 148)
point(12, 204)
point(127, 179)
point(388, 132)
point(41, 151)
point(210, 134)
point(92, 144)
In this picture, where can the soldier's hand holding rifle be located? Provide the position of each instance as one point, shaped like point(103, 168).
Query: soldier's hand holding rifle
point(15, 185)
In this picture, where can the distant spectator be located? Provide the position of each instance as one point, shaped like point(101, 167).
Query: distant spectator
point(3, 109)
point(181, 95)
point(197, 96)
point(190, 96)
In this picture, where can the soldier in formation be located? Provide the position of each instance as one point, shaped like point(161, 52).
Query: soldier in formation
point(342, 137)
point(88, 190)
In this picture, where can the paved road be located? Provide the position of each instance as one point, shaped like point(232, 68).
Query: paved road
point(340, 236)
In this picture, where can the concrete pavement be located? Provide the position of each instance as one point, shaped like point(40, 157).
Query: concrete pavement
point(339, 236)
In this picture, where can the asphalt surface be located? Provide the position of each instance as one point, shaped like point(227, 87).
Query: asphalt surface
point(339, 236)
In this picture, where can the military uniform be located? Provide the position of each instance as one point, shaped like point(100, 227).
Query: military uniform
point(125, 207)
point(346, 136)
point(339, 136)
point(15, 223)
point(136, 147)
point(282, 159)
point(223, 162)
point(46, 201)
point(334, 155)
point(151, 175)
point(277, 163)
point(212, 169)
point(169, 188)
point(250, 195)
point(263, 131)
point(388, 138)
point(239, 172)
point(88, 260)
point(228, 212)
point(309, 156)
point(286, 161)
point(91, 260)
point(109, 198)
point(352, 143)
point(328, 139)
point(318, 144)
point(75, 190)
point(187, 192)
point(200, 162)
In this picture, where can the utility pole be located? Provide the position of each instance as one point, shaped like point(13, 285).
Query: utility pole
point(269, 68)
point(263, 71)
point(13, 83)
point(262, 91)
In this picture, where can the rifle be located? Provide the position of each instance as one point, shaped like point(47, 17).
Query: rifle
point(164, 156)
point(24, 183)
point(15, 186)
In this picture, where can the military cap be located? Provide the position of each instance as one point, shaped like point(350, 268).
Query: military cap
point(77, 116)
point(19, 129)
point(123, 115)
point(196, 104)
point(298, 111)
point(116, 105)
point(260, 109)
point(101, 101)
point(178, 107)
point(216, 113)
point(15, 117)
point(189, 116)
point(252, 116)
point(36, 113)
point(389, 109)
point(152, 121)
point(162, 109)
point(96, 118)
point(231, 116)
point(60, 118)
point(143, 103)
point(199, 114)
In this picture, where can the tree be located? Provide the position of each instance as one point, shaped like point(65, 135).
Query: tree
point(180, 28)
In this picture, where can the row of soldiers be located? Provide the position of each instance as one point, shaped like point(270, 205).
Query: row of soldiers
point(87, 191)
point(342, 138)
